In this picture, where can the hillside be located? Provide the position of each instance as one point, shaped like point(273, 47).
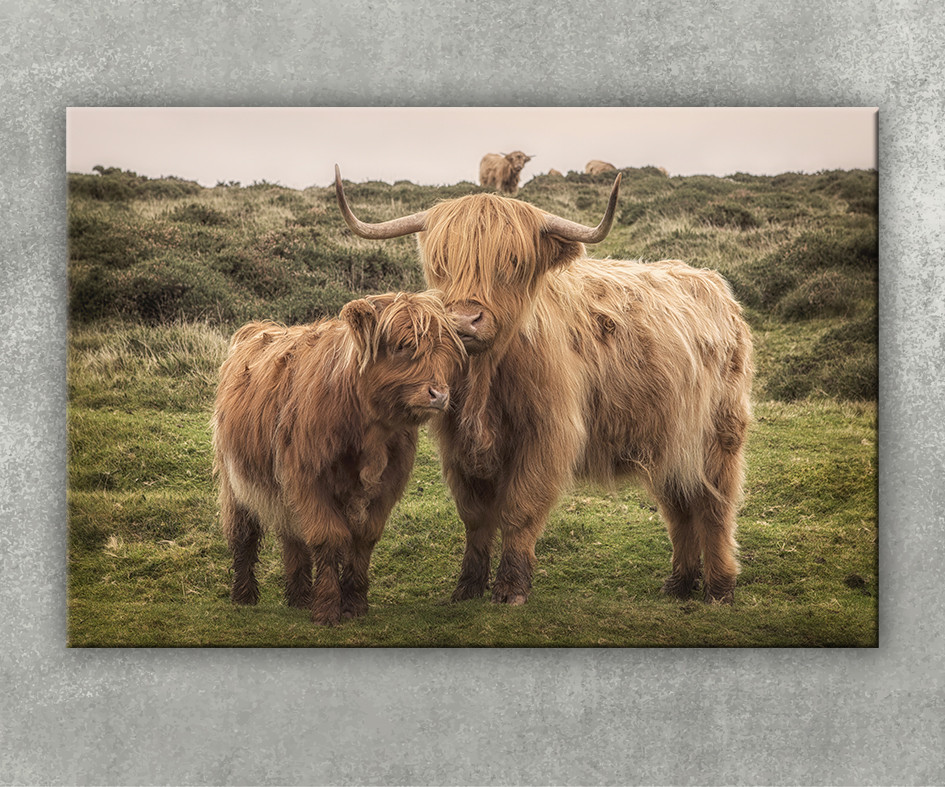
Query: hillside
point(799, 250)
point(161, 272)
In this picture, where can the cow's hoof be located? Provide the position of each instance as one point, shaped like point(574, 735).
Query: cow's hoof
point(324, 617)
point(504, 594)
point(514, 600)
point(719, 596)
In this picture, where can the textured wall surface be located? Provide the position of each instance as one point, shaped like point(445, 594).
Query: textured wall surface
point(471, 716)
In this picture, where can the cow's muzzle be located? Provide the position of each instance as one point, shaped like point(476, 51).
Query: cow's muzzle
point(475, 325)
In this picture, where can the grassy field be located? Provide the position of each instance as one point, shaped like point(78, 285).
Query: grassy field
point(161, 271)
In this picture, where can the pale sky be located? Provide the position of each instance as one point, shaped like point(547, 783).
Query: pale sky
point(298, 147)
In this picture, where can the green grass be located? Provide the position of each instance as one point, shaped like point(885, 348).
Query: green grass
point(161, 271)
point(149, 567)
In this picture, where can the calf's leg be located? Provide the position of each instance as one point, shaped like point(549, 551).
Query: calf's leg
point(354, 578)
point(326, 532)
point(297, 558)
point(243, 533)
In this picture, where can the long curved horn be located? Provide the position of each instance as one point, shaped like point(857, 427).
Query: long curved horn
point(394, 228)
point(571, 230)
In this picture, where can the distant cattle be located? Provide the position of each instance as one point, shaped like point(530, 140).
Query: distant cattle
point(582, 367)
point(501, 171)
point(663, 172)
point(596, 167)
point(555, 173)
point(314, 436)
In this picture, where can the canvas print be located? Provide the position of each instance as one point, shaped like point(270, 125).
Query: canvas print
point(472, 377)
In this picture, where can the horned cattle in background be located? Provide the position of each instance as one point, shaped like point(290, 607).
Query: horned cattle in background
point(314, 435)
point(582, 367)
point(501, 171)
point(597, 167)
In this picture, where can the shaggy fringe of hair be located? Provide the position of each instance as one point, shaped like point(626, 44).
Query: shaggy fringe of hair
point(476, 245)
point(415, 317)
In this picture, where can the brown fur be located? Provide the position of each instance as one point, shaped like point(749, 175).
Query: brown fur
point(554, 173)
point(596, 167)
point(601, 369)
point(502, 172)
point(314, 436)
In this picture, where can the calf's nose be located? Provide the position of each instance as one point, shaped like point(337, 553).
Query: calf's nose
point(439, 397)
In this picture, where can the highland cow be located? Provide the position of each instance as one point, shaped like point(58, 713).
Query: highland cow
point(582, 367)
point(501, 172)
point(597, 167)
point(314, 436)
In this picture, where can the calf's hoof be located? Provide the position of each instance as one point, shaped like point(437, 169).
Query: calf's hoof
point(354, 609)
point(465, 591)
point(677, 586)
point(299, 600)
point(245, 595)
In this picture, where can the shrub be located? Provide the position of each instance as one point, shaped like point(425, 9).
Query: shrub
point(91, 294)
point(828, 249)
point(762, 283)
point(109, 242)
point(728, 214)
point(264, 276)
point(112, 184)
point(199, 213)
point(170, 288)
point(311, 303)
point(632, 213)
point(824, 294)
point(586, 199)
point(841, 363)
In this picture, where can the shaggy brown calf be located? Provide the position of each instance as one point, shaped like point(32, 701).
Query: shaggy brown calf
point(582, 367)
point(596, 167)
point(500, 172)
point(314, 436)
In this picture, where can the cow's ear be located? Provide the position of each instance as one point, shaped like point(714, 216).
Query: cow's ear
point(361, 318)
point(556, 252)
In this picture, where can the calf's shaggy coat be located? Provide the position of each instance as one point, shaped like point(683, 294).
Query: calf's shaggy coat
point(315, 434)
point(501, 172)
point(584, 367)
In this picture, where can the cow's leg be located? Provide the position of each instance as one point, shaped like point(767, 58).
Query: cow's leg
point(682, 534)
point(354, 577)
point(475, 500)
point(297, 558)
point(716, 524)
point(534, 478)
point(716, 509)
point(243, 534)
point(513, 577)
point(525, 506)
